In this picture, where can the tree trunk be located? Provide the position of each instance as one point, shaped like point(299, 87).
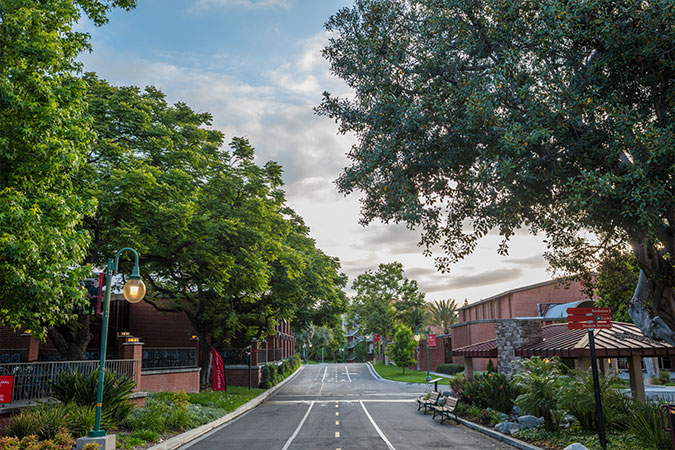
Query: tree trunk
point(652, 307)
point(72, 343)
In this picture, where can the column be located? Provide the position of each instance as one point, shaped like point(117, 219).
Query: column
point(134, 350)
point(468, 368)
point(637, 385)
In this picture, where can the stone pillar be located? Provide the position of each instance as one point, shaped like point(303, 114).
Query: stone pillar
point(33, 349)
point(133, 350)
point(512, 334)
point(468, 368)
point(637, 384)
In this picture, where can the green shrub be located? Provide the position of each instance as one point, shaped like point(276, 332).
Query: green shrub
point(21, 425)
point(152, 417)
point(61, 441)
point(577, 397)
point(645, 424)
point(491, 390)
point(265, 377)
point(81, 420)
point(538, 381)
point(490, 366)
point(297, 361)
point(52, 419)
point(361, 351)
point(81, 390)
point(286, 367)
point(450, 369)
point(664, 376)
point(129, 442)
point(179, 419)
point(146, 435)
point(273, 373)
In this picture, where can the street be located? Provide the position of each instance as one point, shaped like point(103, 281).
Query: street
point(340, 407)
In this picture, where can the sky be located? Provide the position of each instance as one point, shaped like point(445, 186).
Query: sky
point(256, 66)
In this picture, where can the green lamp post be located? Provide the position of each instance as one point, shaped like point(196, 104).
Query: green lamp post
point(134, 291)
point(417, 338)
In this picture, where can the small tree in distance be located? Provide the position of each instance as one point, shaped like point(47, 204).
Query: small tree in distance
point(403, 349)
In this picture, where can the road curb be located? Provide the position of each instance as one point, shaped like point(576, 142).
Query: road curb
point(190, 435)
point(517, 443)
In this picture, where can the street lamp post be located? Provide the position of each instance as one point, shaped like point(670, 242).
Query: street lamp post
point(134, 291)
point(304, 352)
point(417, 338)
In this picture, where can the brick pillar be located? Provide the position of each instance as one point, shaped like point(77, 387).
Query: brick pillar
point(512, 334)
point(33, 349)
point(133, 350)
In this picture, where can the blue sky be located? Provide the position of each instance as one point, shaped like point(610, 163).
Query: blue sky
point(256, 66)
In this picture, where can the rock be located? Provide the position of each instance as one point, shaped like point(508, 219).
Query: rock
point(515, 411)
point(503, 417)
point(507, 427)
point(576, 446)
point(529, 422)
point(567, 421)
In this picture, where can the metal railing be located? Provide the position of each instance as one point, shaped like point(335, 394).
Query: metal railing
point(33, 380)
point(169, 358)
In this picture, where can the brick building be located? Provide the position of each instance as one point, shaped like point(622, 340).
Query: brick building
point(476, 321)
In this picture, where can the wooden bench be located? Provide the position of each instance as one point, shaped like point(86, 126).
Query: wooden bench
point(445, 411)
point(429, 402)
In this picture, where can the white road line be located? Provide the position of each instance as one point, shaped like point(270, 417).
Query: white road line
point(347, 372)
point(297, 430)
point(307, 402)
point(324, 374)
point(337, 434)
point(384, 438)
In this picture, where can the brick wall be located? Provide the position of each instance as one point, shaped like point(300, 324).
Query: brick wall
point(174, 381)
point(436, 354)
point(158, 329)
point(238, 376)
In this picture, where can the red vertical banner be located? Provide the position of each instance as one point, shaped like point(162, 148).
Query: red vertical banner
point(218, 371)
point(6, 383)
point(376, 338)
point(432, 340)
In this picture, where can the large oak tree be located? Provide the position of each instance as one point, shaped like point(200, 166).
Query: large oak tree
point(552, 115)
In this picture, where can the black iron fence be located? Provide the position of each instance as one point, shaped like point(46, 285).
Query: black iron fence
point(33, 381)
point(155, 358)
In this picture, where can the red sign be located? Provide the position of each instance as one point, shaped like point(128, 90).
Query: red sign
point(432, 340)
point(376, 338)
point(589, 311)
point(588, 318)
point(6, 382)
point(218, 371)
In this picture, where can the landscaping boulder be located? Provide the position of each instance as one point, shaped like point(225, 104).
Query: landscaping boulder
point(515, 411)
point(576, 446)
point(567, 421)
point(507, 427)
point(527, 422)
point(503, 417)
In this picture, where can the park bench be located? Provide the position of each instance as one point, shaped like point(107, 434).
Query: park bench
point(449, 408)
point(428, 402)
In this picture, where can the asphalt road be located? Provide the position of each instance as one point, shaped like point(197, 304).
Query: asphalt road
point(341, 407)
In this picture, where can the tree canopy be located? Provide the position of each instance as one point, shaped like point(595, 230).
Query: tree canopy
point(44, 137)
point(215, 237)
point(403, 349)
point(443, 314)
point(386, 299)
point(550, 115)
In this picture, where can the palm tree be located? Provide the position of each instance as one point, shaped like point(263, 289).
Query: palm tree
point(443, 314)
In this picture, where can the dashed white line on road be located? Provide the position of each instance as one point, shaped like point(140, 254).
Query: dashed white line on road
point(337, 434)
point(337, 422)
point(347, 372)
point(337, 413)
point(384, 438)
point(297, 430)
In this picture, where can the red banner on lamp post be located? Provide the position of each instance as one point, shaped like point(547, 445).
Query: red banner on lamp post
point(376, 338)
point(6, 383)
point(218, 371)
point(432, 340)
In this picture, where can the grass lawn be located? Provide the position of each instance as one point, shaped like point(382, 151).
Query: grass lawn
point(227, 401)
point(411, 376)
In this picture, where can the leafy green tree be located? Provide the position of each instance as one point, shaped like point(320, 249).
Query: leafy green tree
point(361, 351)
point(443, 314)
point(483, 115)
point(615, 283)
point(384, 299)
point(216, 239)
point(44, 137)
point(402, 350)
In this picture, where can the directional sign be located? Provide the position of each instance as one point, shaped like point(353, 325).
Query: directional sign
point(588, 326)
point(589, 311)
point(593, 318)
